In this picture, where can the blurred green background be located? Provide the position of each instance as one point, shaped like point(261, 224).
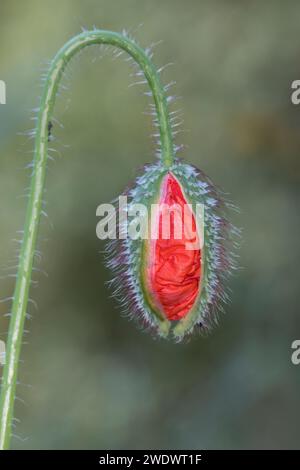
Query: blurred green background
point(89, 378)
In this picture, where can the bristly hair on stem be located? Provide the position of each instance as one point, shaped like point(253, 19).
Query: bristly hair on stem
point(42, 135)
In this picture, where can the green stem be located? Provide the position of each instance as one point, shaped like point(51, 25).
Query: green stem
point(34, 209)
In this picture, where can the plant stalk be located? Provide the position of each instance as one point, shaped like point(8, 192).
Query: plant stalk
point(34, 208)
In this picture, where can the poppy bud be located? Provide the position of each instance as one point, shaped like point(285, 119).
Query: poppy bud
point(172, 277)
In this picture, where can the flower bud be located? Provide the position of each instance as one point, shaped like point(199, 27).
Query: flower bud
point(172, 277)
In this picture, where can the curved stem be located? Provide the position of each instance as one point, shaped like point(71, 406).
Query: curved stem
point(34, 208)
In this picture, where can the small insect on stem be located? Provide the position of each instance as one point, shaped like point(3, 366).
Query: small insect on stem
point(50, 127)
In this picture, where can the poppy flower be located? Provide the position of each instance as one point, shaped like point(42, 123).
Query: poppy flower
point(174, 279)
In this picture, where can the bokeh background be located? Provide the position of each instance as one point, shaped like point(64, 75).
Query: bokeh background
point(89, 378)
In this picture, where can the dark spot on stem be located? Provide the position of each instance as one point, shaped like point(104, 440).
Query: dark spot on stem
point(50, 126)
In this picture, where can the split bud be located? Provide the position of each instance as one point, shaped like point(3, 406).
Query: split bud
point(168, 249)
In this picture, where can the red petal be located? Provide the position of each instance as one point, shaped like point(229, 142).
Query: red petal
point(173, 271)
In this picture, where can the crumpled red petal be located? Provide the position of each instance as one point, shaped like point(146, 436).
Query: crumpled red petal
point(173, 270)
